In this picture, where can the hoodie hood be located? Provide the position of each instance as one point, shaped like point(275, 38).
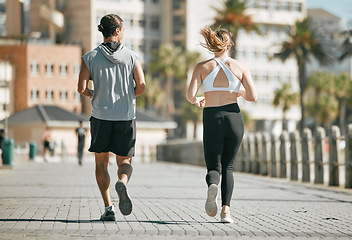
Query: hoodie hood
point(110, 50)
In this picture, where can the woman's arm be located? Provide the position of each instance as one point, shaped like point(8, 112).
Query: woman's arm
point(138, 76)
point(193, 88)
point(250, 93)
point(83, 81)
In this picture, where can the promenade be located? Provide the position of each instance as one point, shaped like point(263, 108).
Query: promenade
point(60, 200)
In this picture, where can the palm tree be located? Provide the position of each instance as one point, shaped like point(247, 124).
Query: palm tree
point(347, 45)
point(193, 114)
point(154, 97)
point(343, 91)
point(232, 17)
point(285, 98)
point(303, 43)
point(320, 98)
point(169, 61)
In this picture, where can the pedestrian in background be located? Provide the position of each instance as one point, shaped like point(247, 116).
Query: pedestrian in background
point(118, 78)
point(2, 137)
point(223, 127)
point(46, 140)
point(81, 137)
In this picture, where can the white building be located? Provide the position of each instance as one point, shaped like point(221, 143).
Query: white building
point(274, 19)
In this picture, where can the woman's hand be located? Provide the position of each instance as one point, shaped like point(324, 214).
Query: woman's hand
point(241, 93)
point(200, 102)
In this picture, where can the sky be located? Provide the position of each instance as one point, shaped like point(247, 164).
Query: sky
point(340, 8)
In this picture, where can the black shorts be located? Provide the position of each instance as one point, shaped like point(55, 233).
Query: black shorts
point(118, 137)
point(46, 145)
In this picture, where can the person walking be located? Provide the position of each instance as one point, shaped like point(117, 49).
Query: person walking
point(223, 129)
point(81, 137)
point(46, 139)
point(118, 79)
point(2, 137)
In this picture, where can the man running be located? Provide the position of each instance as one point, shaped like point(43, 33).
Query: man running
point(118, 78)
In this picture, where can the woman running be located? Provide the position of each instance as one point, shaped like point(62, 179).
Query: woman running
point(223, 128)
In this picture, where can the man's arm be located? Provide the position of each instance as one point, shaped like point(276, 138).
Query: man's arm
point(83, 81)
point(138, 76)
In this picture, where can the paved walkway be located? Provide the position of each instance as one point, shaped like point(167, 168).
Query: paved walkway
point(61, 201)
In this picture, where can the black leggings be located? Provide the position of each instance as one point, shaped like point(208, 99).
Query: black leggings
point(222, 135)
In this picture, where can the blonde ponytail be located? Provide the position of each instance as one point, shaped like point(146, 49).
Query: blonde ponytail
point(216, 41)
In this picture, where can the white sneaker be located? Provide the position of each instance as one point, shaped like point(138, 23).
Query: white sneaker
point(226, 217)
point(211, 205)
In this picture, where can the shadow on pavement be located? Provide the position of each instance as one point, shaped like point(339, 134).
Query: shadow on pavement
point(97, 220)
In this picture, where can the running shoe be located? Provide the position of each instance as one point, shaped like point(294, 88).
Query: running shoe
point(211, 205)
point(108, 215)
point(226, 217)
point(125, 203)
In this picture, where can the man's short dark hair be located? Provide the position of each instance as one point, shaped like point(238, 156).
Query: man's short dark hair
point(109, 23)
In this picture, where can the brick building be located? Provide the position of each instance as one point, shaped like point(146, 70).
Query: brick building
point(43, 74)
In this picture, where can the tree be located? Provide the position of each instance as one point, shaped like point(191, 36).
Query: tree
point(285, 98)
point(303, 43)
point(192, 113)
point(154, 97)
point(343, 92)
point(169, 61)
point(347, 44)
point(232, 17)
point(320, 98)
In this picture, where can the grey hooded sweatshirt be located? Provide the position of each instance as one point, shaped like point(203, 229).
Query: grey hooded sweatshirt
point(111, 71)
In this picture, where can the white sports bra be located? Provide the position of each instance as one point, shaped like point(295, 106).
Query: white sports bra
point(234, 82)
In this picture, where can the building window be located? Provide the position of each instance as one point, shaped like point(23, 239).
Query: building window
point(63, 95)
point(275, 5)
point(285, 6)
point(141, 22)
point(155, 45)
point(178, 25)
point(49, 69)
point(77, 97)
point(176, 4)
point(155, 23)
point(179, 44)
point(263, 4)
point(276, 78)
point(265, 77)
point(250, 4)
point(35, 95)
point(297, 7)
point(34, 68)
point(49, 95)
point(63, 70)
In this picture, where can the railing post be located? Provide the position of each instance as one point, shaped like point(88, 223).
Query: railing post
point(334, 140)
point(319, 155)
point(348, 158)
point(283, 154)
point(258, 153)
point(264, 169)
point(241, 155)
point(306, 154)
point(249, 154)
point(295, 154)
point(274, 156)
